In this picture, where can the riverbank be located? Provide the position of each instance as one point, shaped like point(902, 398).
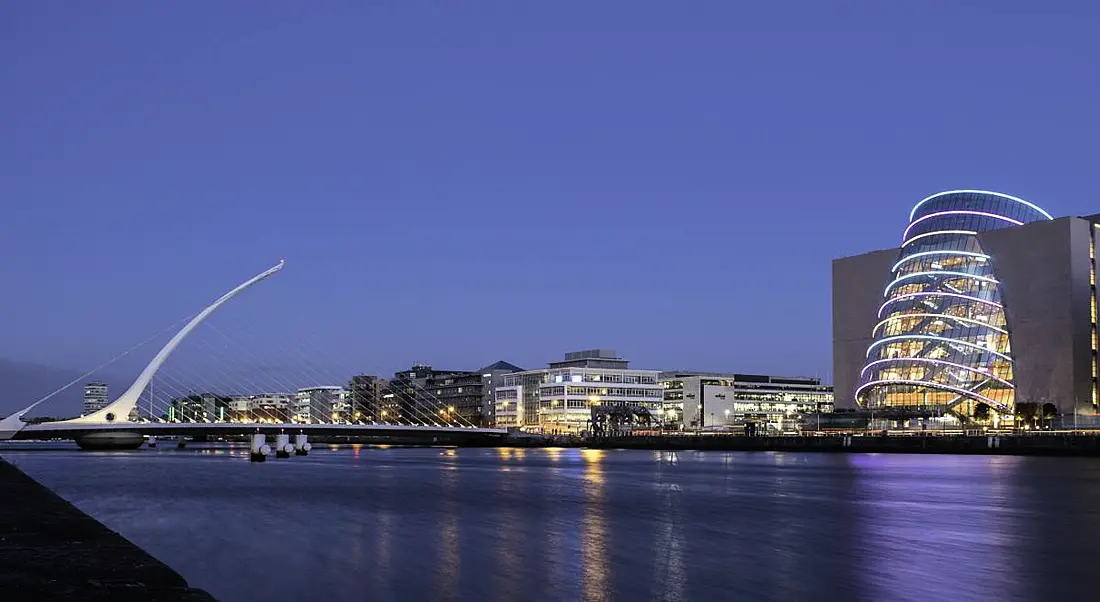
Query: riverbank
point(51, 550)
point(1022, 445)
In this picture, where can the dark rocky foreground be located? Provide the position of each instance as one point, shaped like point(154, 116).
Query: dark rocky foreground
point(50, 550)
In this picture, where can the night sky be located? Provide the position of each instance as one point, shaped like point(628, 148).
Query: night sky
point(461, 182)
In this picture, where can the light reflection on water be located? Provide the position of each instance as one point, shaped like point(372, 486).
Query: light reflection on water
point(396, 524)
point(594, 535)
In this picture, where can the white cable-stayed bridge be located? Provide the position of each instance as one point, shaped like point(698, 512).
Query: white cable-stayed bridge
point(181, 402)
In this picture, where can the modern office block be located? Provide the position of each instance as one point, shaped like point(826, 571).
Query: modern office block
point(708, 400)
point(560, 398)
point(95, 397)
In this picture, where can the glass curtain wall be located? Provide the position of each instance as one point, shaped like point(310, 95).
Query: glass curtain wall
point(941, 344)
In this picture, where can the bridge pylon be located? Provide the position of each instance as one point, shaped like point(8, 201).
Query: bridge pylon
point(118, 411)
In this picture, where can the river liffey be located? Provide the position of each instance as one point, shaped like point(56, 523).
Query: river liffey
point(408, 524)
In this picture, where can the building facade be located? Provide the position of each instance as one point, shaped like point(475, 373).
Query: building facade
point(408, 399)
point(462, 396)
point(272, 408)
point(239, 410)
point(708, 400)
point(517, 400)
point(95, 397)
point(321, 405)
point(560, 398)
point(492, 376)
point(199, 407)
point(365, 393)
point(986, 314)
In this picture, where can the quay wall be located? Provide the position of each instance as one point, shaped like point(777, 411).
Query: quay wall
point(51, 550)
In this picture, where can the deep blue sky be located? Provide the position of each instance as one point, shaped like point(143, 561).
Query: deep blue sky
point(461, 182)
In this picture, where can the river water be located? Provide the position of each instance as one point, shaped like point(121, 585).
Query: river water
point(408, 524)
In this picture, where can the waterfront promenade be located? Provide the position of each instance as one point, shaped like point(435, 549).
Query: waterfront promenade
point(50, 550)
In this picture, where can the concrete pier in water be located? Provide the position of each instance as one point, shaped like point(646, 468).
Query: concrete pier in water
point(50, 550)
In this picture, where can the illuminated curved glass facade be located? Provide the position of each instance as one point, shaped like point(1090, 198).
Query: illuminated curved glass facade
point(941, 344)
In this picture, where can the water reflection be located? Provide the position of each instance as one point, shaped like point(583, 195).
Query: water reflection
point(554, 453)
point(1055, 522)
point(566, 525)
point(929, 516)
point(383, 567)
point(668, 559)
point(594, 535)
point(449, 563)
point(507, 574)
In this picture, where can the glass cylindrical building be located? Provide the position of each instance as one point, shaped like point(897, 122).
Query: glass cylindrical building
point(941, 344)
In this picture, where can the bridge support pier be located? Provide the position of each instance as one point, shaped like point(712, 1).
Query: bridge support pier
point(301, 445)
point(152, 440)
point(181, 442)
point(283, 448)
point(259, 449)
point(110, 440)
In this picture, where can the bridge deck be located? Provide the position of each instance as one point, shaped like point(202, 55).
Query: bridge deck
point(63, 430)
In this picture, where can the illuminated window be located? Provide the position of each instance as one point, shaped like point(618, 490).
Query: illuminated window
point(941, 342)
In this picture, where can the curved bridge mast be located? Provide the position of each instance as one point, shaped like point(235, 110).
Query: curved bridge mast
point(119, 409)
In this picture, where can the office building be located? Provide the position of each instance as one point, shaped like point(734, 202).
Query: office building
point(199, 407)
point(426, 395)
point(408, 399)
point(321, 405)
point(464, 397)
point(985, 314)
point(365, 393)
point(491, 377)
point(561, 397)
point(95, 397)
point(239, 410)
point(708, 400)
point(270, 407)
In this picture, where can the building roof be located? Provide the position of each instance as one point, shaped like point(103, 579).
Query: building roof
point(501, 365)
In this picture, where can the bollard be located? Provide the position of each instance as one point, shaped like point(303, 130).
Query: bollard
point(283, 448)
point(259, 449)
point(301, 445)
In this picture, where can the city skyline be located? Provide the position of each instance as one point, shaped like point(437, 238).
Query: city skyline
point(688, 178)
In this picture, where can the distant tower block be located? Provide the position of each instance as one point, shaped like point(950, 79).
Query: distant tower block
point(95, 397)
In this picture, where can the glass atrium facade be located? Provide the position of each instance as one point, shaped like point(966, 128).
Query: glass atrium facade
point(941, 345)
